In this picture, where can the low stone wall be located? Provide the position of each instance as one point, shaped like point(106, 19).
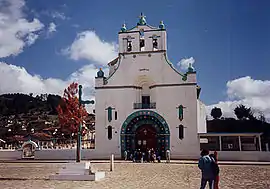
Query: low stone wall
point(70, 154)
point(243, 155)
point(10, 154)
point(52, 154)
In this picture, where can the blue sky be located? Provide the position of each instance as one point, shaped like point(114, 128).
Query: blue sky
point(229, 41)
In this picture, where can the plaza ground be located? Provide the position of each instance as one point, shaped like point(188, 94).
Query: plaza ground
point(22, 175)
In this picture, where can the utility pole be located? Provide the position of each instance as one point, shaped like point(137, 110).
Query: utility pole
point(79, 135)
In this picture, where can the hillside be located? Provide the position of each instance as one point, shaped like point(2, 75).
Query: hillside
point(14, 104)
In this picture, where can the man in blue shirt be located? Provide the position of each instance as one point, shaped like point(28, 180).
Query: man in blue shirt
point(205, 165)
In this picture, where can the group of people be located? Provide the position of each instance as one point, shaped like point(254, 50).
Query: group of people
point(148, 155)
point(210, 170)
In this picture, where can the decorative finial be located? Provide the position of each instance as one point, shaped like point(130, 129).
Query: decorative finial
point(100, 73)
point(142, 20)
point(161, 25)
point(123, 29)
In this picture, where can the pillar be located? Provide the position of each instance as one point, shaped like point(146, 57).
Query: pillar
point(112, 163)
point(220, 144)
point(267, 147)
point(240, 144)
point(260, 143)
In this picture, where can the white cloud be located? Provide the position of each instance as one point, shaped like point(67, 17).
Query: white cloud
point(23, 82)
point(249, 92)
point(89, 46)
point(59, 15)
point(52, 27)
point(184, 63)
point(31, 38)
point(16, 31)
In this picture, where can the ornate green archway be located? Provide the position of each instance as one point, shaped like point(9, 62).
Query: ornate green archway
point(143, 117)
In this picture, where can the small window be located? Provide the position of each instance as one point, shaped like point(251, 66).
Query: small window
point(181, 131)
point(110, 132)
point(115, 115)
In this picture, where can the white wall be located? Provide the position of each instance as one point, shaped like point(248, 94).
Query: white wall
point(167, 98)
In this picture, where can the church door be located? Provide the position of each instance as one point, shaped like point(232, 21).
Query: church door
point(146, 138)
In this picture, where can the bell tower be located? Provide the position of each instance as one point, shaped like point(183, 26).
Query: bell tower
point(142, 37)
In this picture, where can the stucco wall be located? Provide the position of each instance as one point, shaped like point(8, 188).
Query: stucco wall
point(167, 98)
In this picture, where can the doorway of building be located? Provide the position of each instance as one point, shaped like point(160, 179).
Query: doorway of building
point(145, 129)
point(146, 138)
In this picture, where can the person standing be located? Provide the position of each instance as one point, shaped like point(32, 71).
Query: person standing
point(125, 155)
point(205, 165)
point(168, 156)
point(217, 176)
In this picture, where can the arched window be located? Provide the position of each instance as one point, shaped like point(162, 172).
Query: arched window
point(109, 132)
point(181, 131)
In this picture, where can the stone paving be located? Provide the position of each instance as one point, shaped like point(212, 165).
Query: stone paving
point(131, 176)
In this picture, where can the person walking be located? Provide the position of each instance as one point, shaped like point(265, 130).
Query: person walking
point(205, 164)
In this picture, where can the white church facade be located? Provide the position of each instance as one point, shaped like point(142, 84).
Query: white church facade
point(145, 102)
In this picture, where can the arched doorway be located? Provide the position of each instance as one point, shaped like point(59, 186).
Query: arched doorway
point(145, 138)
point(144, 129)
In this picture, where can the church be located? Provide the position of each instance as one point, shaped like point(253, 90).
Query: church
point(145, 102)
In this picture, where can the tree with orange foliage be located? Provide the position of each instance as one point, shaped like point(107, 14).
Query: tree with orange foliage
point(70, 112)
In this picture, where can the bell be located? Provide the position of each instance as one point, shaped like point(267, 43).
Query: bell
point(142, 43)
point(155, 44)
point(129, 47)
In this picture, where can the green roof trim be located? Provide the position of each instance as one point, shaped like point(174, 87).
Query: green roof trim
point(161, 25)
point(184, 76)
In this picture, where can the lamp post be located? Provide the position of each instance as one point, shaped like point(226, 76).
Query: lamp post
point(79, 136)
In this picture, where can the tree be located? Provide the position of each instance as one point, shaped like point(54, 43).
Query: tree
point(262, 117)
point(243, 112)
point(216, 113)
point(70, 113)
